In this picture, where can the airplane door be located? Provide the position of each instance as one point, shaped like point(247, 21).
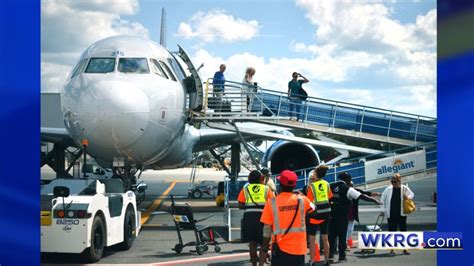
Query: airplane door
point(197, 104)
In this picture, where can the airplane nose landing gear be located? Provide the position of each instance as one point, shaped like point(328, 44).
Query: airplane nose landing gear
point(125, 173)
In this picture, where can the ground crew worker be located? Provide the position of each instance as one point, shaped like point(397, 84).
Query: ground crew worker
point(319, 193)
point(268, 180)
point(252, 199)
point(284, 219)
point(343, 195)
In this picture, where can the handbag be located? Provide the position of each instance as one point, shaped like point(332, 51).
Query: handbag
point(275, 247)
point(408, 206)
point(303, 94)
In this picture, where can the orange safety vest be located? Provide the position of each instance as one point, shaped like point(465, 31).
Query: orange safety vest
point(294, 242)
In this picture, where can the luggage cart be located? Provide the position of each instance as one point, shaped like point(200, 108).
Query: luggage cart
point(184, 220)
point(377, 227)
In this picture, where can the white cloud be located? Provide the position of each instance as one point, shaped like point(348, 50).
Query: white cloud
point(68, 27)
point(217, 25)
point(359, 34)
point(409, 99)
point(420, 68)
point(53, 76)
point(274, 73)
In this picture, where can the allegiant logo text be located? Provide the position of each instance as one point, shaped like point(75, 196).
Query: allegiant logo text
point(397, 166)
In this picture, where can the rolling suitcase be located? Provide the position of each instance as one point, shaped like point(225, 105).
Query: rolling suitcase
point(377, 227)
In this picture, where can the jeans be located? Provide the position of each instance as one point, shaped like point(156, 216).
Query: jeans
point(350, 229)
point(295, 107)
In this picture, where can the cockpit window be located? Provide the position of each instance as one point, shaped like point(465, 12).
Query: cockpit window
point(168, 70)
point(177, 68)
point(133, 65)
point(79, 67)
point(101, 65)
point(156, 68)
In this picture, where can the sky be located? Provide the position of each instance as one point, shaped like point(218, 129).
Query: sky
point(376, 53)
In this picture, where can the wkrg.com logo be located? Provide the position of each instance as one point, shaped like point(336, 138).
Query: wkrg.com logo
point(409, 240)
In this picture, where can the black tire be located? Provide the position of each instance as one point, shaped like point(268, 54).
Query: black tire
point(200, 249)
point(197, 194)
point(209, 165)
point(178, 248)
point(94, 253)
point(129, 228)
point(217, 249)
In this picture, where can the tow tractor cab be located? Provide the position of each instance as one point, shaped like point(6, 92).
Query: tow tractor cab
point(86, 215)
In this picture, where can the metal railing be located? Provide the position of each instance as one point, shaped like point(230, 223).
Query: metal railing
point(356, 166)
point(235, 98)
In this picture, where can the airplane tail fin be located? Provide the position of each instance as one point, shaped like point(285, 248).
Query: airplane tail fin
point(163, 28)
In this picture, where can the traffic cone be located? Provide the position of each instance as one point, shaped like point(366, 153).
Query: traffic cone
point(317, 256)
point(349, 242)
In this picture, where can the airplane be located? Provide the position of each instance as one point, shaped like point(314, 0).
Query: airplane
point(125, 103)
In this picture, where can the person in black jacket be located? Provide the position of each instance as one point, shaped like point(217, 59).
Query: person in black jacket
point(353, 214)
point(342, 200)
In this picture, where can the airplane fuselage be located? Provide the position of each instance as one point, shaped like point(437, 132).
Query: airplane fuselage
point(126, 99)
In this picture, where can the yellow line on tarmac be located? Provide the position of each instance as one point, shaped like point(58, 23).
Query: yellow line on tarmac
point(156, 204)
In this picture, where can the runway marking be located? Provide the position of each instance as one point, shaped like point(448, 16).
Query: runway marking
point(156, 203)
point(190, 261)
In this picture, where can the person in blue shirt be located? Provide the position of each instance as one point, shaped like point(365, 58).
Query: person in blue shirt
point(294, 87)
point(218, 81)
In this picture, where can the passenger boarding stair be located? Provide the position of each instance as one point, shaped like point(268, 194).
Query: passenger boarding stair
point(240, 103)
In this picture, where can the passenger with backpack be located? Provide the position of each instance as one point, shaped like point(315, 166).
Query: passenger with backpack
point(296, 95)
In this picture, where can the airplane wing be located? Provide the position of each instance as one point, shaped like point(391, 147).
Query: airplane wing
point(220, 134)
point(54, 135)
point(212, 138)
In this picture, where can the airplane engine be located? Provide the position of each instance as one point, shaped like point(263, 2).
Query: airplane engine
point(284, 155)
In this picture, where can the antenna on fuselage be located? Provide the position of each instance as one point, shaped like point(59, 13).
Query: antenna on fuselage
point(163, 28)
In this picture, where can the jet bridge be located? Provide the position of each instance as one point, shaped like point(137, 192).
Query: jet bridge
point(239, 102)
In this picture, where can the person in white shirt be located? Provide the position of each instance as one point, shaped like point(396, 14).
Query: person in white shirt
point(248, 89)
point(392, 198)
point(268, 180)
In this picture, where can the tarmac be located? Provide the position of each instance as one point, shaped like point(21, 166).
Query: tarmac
point(158, 235)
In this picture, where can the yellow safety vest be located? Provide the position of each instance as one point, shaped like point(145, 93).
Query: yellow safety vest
point(321, 196)
point(255, 196)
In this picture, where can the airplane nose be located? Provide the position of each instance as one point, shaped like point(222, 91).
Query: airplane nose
point(114, 114)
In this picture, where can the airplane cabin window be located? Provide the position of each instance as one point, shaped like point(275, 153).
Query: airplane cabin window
point(133, 65)
point(101, 65)
point(168, 70)
point(177, 69)
point(156, 68)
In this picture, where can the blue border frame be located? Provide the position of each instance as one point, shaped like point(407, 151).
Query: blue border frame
point(19, 117)
point(455, 146)
point(20, 127)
